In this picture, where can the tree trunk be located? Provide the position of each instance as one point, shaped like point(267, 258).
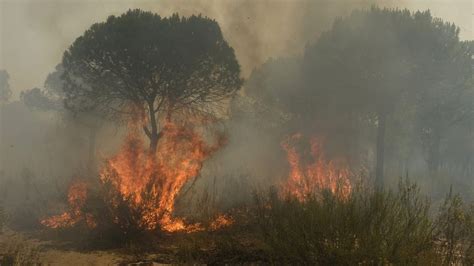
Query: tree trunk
point(153, 134)
point(379, 168)
point(92, 145)
point(153, 142)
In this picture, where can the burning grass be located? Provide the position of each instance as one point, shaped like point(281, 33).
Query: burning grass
point(310, 170)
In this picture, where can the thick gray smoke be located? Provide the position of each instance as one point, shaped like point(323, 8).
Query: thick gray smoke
point(35, 33)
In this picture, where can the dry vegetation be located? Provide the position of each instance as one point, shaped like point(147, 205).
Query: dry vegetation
point(383, 92)
point(399, 226)
point(377, 227)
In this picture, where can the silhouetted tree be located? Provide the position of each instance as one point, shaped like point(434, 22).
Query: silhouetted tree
point(161, 66)
point(371, 61)
point(445, 95)
point(51, 98)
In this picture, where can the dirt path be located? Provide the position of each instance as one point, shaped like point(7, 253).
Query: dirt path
point(24, 250)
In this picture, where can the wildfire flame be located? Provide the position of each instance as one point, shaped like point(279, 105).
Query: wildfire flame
point(161, 175)
point(76, 197)
point(307, 177)
point(149, 182)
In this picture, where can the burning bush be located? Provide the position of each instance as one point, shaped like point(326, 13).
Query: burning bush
point(150, 182)
point(310, 171)
point(76, 197)
point(137, 187)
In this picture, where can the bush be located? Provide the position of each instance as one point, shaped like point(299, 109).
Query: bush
point(368, 227)
point(116, 224)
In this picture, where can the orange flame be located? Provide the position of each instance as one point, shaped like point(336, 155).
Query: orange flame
point(220, 222)
point(150, 182)
point(77, 195)
point(306, 178)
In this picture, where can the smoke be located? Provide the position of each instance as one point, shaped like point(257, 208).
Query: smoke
point(35, 33)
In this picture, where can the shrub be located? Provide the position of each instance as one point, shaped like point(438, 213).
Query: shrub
point(116, 224)
point(368, 227)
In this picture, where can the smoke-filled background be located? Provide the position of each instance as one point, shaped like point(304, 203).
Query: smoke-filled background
point(34, 34)
point(318, 132)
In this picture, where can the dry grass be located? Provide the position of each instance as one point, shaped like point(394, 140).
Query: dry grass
point(14, 250)
point(19, 249)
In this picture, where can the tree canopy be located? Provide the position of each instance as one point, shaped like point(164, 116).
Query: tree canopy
point(377, 62)
point(142, 61)
point(49, 98)
point(376, 71)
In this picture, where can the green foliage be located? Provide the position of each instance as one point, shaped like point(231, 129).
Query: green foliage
point(377, 227)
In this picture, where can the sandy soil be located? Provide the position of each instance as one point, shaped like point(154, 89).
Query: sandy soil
point(28, 250)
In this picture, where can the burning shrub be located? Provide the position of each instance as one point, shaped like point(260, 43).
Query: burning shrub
point(311, 171)
point(137, 188)
point(115, 223)
point(76, 197)
point(369, 227)
point(149, 183)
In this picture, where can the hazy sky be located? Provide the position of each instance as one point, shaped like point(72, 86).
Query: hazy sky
point(35, 33)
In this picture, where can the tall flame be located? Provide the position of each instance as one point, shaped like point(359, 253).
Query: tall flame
point(150, 181)
point(76, 197)
point(307, 177)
